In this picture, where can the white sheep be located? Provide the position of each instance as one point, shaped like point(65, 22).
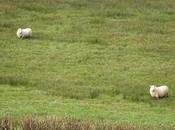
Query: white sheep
point(24, 33)
point(161, 91)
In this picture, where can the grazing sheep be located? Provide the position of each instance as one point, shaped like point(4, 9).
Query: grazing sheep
point(24, 33)
point(161, 91)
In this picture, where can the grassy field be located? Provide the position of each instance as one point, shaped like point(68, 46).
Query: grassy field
point(90, 59)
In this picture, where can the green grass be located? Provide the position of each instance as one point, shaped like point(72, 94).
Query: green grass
point(88, 59)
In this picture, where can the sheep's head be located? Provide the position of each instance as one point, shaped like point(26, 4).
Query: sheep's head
point(153, 91)
point(19, 33)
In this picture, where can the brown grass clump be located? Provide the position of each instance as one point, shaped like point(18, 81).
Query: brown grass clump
point(47, 123)
point(33, 123)
point(5, 124)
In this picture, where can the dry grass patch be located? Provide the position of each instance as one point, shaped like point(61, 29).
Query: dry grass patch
point(53, 123)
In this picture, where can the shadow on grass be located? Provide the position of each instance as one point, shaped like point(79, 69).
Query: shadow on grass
point(13, 80)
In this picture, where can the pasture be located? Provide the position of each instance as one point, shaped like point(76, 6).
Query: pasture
point(89, 59)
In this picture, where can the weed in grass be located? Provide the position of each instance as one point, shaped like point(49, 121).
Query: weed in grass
point(94, 94)
point(115, 91)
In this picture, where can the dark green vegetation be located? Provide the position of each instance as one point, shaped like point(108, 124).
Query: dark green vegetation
point(88, 59)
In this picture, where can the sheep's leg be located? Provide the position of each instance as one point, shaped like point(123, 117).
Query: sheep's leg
point(157, 96)
point(167, 95)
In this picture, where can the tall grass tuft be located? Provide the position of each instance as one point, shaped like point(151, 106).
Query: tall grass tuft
point(94, 94)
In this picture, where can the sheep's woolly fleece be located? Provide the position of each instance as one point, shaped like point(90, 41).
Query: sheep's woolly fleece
point(24, 33)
